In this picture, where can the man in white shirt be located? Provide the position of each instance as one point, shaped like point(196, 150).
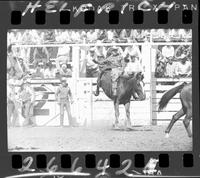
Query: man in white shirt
point(12, 107)
point(133, 66)
point(167, 53)
point(62, 55)
point(133, 51)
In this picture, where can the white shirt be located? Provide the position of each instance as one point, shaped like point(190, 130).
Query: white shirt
point(132, 51)
point(49, 74)
point(168, 51)
point(110, 35)
point(63, 51)
point(133, 67)
point(184, 68)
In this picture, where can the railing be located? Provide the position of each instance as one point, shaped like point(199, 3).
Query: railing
point(162, 86)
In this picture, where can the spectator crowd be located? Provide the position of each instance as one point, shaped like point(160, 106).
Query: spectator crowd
point(46, 62)
point(172, 35)
point(174, 61)
point(77, 36)
point(56, 62)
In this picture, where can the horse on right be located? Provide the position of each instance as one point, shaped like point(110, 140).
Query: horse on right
point(185, 90)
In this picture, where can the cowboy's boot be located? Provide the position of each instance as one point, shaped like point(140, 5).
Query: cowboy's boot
point(96, 93)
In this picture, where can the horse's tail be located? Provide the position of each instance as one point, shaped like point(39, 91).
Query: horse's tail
point(169, 95)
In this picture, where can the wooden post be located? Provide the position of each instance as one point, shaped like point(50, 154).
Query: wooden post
point(75, 76)
point(153, 87)
point(146, 63)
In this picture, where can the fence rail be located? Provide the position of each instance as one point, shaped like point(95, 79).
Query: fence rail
point(163, 85)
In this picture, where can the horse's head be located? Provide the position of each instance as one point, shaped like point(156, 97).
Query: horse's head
point(138, 87)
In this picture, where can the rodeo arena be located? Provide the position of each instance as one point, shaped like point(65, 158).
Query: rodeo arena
point(99, 90)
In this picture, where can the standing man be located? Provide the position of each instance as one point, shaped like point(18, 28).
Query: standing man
point(28, 98)
point(64, 98)
point(168, 53)
point(12, 109)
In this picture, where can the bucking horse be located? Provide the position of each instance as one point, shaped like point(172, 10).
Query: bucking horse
point(185, 90)
point(127, 87)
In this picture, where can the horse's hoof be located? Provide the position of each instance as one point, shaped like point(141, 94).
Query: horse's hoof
point(96, 94)
point(167, 135)
point(116, 127)
point(129, 127)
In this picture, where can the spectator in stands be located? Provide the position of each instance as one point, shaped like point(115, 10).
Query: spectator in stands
point(133, 66)
point(160, 69)
point(65, 70)
point(132, 51)
point(170, 69)
point(184, 68)
point(83, 36)
point(133, 35)
point(181, 52)
point(23, 67)
point(91, 67)
point(38, 73)
point(182, 34)
point(102, 36)
point(167, 53)
point(27, 37)
point(123, 36)
point(92, 36)
point(111, 36)
point(63, 55)
point(49, 72)
point(49, 36)
point(40, 54)
point(160, 35)
point(100, 51)
point(75, 36)
point(188, 35)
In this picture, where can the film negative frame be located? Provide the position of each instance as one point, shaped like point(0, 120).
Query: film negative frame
point(101, 164)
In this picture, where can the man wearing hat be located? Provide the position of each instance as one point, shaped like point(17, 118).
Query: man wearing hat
point(64, 98)
point(27, 96)
point(115, 62)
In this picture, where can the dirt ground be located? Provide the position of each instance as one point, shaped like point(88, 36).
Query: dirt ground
point(141, 138)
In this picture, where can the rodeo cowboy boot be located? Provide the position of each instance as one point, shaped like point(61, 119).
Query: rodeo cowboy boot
point(96, 93)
